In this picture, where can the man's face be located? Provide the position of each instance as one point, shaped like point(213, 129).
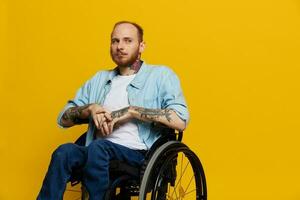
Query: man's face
point(125, 47)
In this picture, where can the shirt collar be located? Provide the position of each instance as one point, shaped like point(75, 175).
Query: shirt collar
point(139, 79)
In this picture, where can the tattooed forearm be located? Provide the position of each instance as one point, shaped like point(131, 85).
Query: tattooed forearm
point(119, 113)
point(154, 114)
point(74, 114)
point(166, 117)
point(144, 113)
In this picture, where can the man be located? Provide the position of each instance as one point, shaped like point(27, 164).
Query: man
point(123, 107)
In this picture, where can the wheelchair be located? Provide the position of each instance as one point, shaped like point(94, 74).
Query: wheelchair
point(171, 171)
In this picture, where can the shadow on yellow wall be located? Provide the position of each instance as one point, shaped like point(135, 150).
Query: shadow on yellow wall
point(238, 62)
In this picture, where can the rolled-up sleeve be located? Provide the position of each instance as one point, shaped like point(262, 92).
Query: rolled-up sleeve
point(172, 96)
point(81, 99)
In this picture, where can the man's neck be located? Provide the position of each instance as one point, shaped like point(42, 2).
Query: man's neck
point(131, 69)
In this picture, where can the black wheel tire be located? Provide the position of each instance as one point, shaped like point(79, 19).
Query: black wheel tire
point(158, 163)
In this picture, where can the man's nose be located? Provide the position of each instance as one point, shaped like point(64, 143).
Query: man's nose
point(120, 45)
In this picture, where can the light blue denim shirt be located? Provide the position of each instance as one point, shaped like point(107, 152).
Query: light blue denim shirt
point(154, 86)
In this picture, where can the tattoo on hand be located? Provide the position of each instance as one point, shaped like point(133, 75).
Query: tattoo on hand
point(73, 114)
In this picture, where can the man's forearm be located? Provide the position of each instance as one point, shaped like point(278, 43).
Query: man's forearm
point(75, 115)
point(166, 117)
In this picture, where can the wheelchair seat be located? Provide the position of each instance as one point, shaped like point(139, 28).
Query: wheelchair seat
point(170, 171)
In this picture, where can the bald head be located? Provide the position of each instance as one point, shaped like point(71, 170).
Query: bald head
point(139, 29)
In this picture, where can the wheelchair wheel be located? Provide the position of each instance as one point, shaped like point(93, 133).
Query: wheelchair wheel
point(174, 172)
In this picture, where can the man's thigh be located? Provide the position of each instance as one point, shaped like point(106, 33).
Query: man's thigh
point(115, 151)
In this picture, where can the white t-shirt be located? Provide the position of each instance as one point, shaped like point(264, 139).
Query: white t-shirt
point(117, 98)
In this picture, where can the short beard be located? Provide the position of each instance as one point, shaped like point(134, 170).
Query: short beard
point(127, 63)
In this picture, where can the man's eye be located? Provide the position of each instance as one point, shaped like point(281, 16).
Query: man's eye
point(128, 41)
point(114, 41)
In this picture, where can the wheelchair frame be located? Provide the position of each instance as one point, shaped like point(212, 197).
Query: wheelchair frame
point(155, 175)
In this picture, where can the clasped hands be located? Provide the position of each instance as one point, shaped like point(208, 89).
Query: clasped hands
point(104, 121)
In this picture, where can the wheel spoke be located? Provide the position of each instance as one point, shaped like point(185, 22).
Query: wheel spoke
point(181, 166)
point(180, 178)
point(175, 193)
point(189, 192)
point(182, 192)
point(170, 197)
point(189, 184)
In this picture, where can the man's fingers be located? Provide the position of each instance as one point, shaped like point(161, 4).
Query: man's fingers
point(96, 121)
point(112, 124)
point(102, 131)
point(99, 120)
point(103, 125)
point(108, 116)
point(105, 128)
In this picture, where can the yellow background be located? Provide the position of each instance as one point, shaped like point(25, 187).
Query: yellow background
point(238, 62)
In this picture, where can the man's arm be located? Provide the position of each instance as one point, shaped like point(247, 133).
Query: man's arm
point(75, 115)
point(80, 115)
point(167, 117)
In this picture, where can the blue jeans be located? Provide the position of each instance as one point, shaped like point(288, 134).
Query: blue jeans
point(94, 163)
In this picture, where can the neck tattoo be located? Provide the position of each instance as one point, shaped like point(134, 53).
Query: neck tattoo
point(136, 66)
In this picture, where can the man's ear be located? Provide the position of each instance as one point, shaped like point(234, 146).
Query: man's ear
point(142, 47)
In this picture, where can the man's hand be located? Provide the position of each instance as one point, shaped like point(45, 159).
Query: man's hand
point(109, 121)
point(100, 117)
point(119, 117)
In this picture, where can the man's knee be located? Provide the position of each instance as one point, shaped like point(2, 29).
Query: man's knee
point(99, 146)
point(63, 150)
